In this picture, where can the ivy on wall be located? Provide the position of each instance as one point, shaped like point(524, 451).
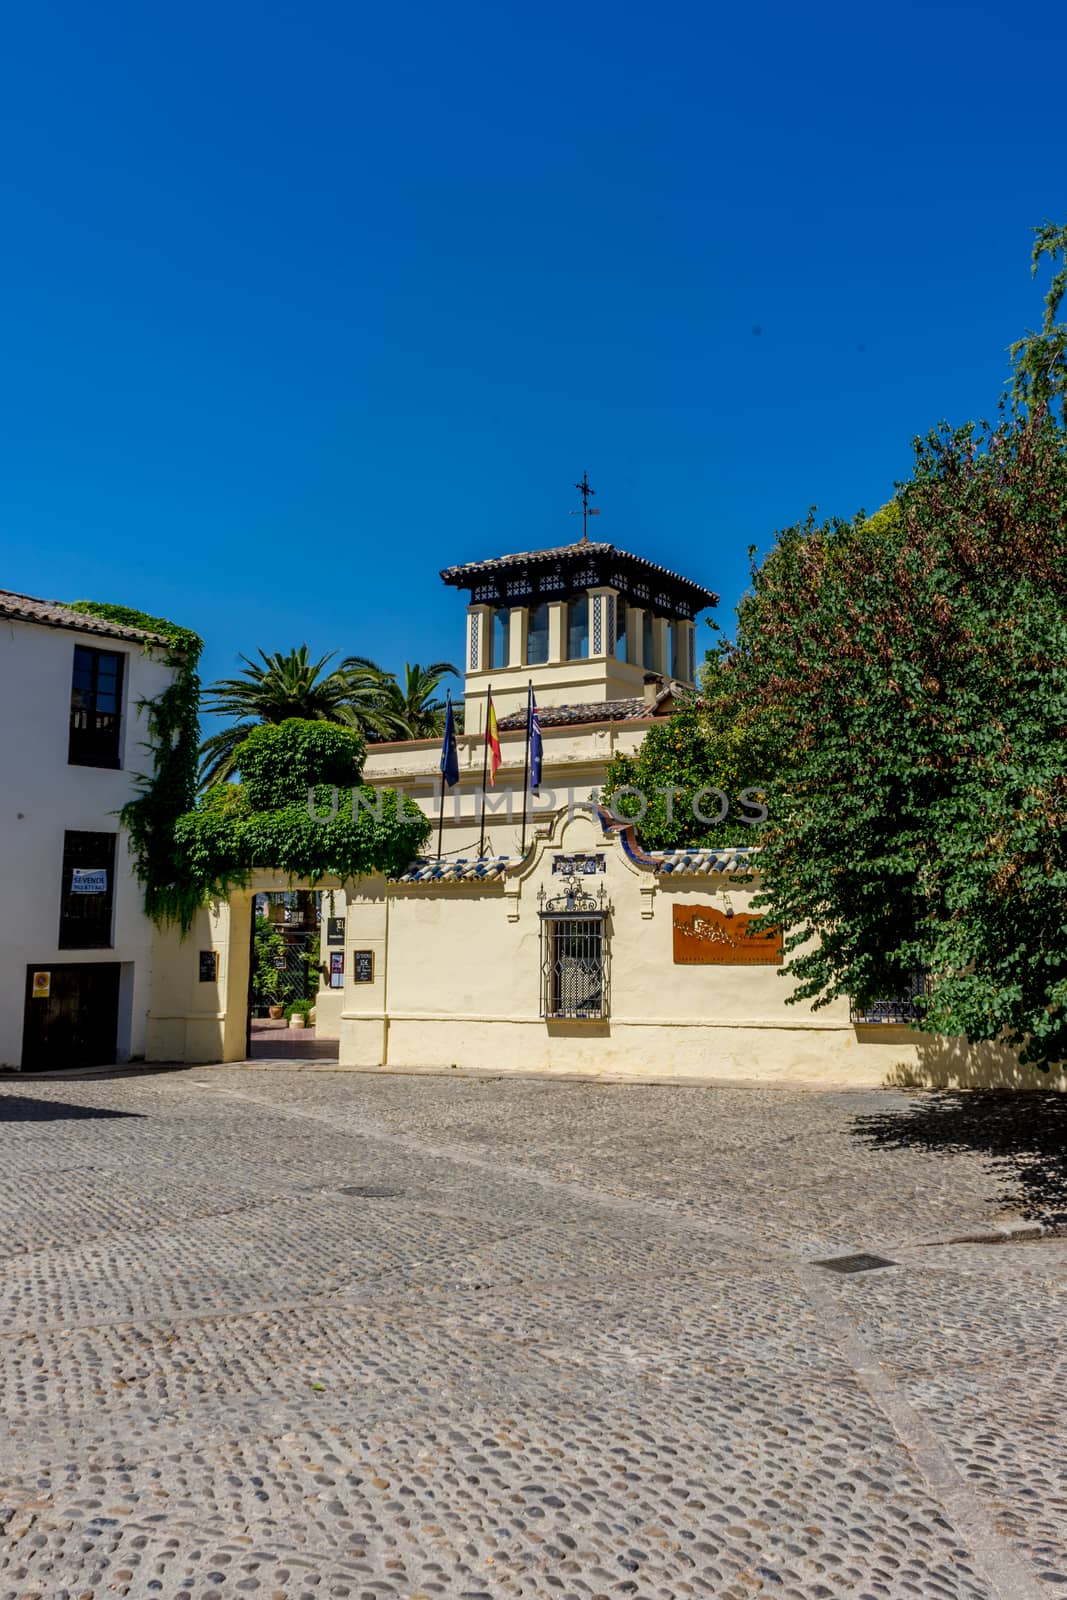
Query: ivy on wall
point(265, 822)
point(169, 789)
point(187, 852)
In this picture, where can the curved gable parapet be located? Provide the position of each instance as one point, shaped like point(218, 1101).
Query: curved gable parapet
point(678, 863)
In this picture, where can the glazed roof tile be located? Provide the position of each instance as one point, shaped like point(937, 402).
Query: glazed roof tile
point(463, 869)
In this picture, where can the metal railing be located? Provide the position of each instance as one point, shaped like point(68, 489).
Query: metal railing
point(907, 1007)
point(574, 967)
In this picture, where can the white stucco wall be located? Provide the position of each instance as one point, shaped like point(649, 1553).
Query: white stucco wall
point(41, 796)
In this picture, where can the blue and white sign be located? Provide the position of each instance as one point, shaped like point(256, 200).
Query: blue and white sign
point(88, 880)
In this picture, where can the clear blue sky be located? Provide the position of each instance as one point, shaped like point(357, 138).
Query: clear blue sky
point(302, 303)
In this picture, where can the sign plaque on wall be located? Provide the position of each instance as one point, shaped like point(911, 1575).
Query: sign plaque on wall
point(335, 930)
point(579, 863)
point(705, 936)
point(337, 969)
point(363, 966)
point(209, 966)
point(88, 880)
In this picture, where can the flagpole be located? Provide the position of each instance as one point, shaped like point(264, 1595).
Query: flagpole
point(526, 763)
point(444, 775)
point(485, 766)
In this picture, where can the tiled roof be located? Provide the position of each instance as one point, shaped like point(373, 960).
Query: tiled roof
point(464, 869)
point(589, 711)
point(589, 548)
point(701, 863)
point(633, 708)
point(470, 571)
point(53, 615)
point(490, 869)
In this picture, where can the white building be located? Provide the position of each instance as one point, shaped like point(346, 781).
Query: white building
point(75, 945)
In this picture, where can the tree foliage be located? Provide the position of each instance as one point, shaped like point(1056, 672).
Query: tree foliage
point(709, 747)
point(169, 788)
point(914, 671)
point(358, 694)
point(413, 708)
point(266, 822)
point(1040, 379)
point(275, 689)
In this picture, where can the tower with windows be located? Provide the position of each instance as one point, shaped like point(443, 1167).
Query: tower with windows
point(587, 622)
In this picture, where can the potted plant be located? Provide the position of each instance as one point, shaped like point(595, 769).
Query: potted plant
point(268, 949)
point(297, 1012)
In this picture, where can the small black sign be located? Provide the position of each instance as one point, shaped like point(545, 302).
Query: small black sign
point(280, 963)
point(209, 966)
point(335, 930)
point(363, 966)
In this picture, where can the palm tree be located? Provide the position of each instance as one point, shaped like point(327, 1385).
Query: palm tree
point(281, 686)
point(414, 709)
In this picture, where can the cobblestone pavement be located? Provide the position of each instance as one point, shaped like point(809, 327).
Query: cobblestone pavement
point(299, 1334)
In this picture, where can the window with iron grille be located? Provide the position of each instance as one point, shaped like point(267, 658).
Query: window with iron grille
point(95, 708)
point(906, 1007)
point(88, 891)
point(574, 966)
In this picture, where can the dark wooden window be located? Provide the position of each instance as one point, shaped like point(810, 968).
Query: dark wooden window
point(96, 708)
point(88, 892)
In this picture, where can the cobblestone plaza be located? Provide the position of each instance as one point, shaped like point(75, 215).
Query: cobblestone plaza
point(295, 1333)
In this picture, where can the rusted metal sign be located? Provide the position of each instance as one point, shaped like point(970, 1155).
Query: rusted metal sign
point(704, 936)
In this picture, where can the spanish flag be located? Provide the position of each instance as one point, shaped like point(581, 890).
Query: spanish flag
point(492, 739)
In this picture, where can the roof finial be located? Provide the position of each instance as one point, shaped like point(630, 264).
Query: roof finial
point(587, 510)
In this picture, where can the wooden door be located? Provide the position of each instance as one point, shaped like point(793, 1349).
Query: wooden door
point(75, 1024)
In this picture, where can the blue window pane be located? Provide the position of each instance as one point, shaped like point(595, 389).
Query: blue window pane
point(537, 636)
point(501, 636)
point(578, 629)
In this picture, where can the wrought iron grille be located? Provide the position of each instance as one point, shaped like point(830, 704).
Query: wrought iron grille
point(907, 1007)
point(574, 951)
point(574, 972)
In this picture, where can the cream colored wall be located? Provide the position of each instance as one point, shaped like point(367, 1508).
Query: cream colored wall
point(575, 762)
point(193, 1021)
point(556, 683)
point(457, 983)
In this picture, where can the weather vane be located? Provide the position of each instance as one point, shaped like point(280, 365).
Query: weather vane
point(587, 510)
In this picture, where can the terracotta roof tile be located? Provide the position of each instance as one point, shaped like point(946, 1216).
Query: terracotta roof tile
point(631, 709)
point(467, 574)
point(23, 608)
point(589, 711)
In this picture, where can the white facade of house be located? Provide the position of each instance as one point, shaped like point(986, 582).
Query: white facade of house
point(43, 797)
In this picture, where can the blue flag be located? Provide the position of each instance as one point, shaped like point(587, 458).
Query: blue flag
point(449, 749)
point(536, 750)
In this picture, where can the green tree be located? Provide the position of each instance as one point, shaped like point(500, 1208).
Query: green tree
point(710, 743)
point(282, 686)
point(415, 709)
point(918, 816)
point(267, 946)
point(282, 816)
point(1040, 379)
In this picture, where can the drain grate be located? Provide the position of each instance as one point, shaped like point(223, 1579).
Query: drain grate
point(859, 1263)
point(370, 1191)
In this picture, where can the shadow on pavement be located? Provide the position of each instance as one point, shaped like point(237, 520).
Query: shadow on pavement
point(24, 1108)
point(1023, 1136)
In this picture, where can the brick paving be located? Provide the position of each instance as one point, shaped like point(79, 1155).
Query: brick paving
point(299, 1334)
